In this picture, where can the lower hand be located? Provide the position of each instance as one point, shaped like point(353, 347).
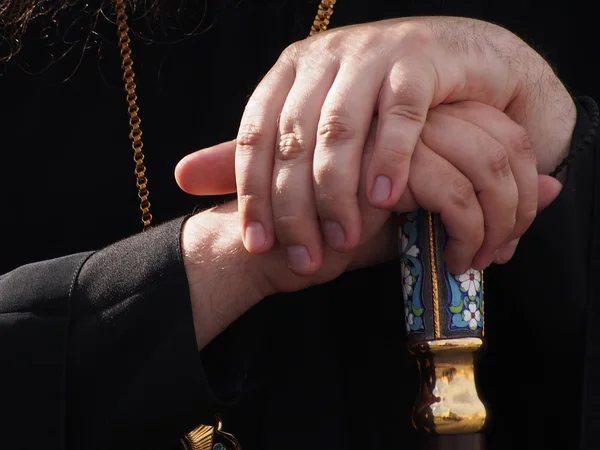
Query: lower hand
point(472, 164)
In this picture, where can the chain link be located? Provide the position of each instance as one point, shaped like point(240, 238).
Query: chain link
point(135, 133)
point(324, 13)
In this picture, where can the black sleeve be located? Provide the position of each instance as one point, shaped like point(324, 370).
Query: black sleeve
point(586, 159)
point(553, 281)
point(98, 350)
point(34, 308)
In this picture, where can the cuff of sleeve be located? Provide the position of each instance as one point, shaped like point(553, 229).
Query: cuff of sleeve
point(584, 134)
point(133, 364)
point(580, 162)
point(570, 214)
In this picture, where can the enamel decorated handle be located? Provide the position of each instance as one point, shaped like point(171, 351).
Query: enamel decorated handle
point(444, 324)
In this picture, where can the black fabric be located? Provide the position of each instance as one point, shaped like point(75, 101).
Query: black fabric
point(98, 347)
point(591, 385)
point(326, 367)
point(584, 135)
point(34, 307)
point(133, 362)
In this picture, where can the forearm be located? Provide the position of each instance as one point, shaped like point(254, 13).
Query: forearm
point(223, 278)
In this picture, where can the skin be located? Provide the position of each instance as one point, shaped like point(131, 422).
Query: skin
point(300, 143)
point(226, 280)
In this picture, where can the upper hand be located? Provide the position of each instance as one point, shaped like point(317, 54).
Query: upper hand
point(302, 135)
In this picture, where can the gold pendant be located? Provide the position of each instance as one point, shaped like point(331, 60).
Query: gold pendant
point(208, 437)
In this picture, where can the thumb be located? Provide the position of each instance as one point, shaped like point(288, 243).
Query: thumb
point(210, 171)
point(548, 189)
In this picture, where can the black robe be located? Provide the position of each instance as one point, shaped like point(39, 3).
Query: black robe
point(97, 349)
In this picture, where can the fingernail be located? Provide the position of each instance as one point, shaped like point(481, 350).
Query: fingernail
point(334, 234)
point(382, 189)
point(298, 258)
point(507, 252)
point(255, 235)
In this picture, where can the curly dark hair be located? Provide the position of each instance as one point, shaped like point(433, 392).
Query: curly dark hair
point(17, 15)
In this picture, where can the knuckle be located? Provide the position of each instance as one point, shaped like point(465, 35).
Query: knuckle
point(526, 215)
point(462, 193)
point(290, 147)
point(333, 44)
point(330, 45)
point(411, 88)
point(471, 234)
point(249, 200)
point(521, 145)
point(329, 203)
point(418, 35)
point(474, 235)
point(500, 163)
point(252, 206)
point(395, 156)
point(333, 180)
point(329, 175)
point(286, 224)
point(326, 203)
point(324, 172)
point(290, 53)
point(503, 228)
point(408, 111)
point(250, 136)
point(335, 128)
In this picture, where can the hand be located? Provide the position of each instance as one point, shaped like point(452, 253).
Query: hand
point(302, 134)
point(225, 280)
point(455, 158)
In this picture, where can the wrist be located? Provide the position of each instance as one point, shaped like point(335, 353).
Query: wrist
point(545, 108)
point(222, 281)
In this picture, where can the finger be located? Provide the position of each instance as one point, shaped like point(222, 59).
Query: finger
point(403, 105)
point(520, 156)
point(254, 156)
point(210, 171)
point(345, 120)
point(295, 216)
point(377, 243)
point(484, 161)
point(439, 187)
point(548, 190)
point(504, 254)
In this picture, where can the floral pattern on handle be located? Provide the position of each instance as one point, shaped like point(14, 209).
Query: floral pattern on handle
point(461, 296)
point(412, 271)
point(464, 305)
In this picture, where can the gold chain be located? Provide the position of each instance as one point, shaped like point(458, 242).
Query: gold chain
point(322, 18)
point(135, 133)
